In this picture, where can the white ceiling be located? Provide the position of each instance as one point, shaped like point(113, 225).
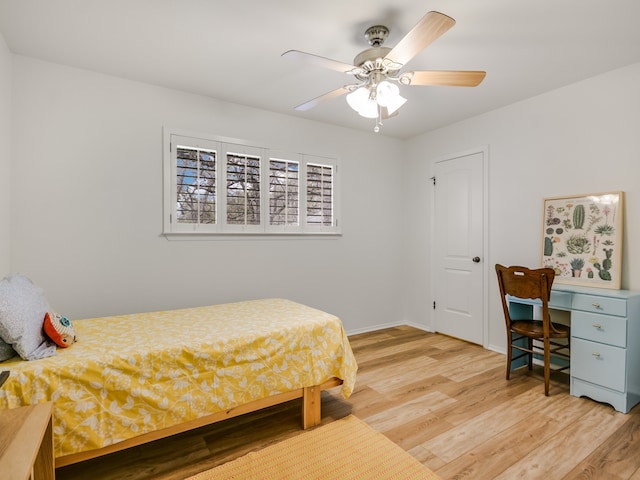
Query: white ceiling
point(231, 49)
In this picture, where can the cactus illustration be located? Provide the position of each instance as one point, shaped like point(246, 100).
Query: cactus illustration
point(593, 220)
point(578, 244)
point(604, 229)
point(551, 219)
point(607, 263)
point(578, 217)
point(603, 270)
point(548, 246)
point(577, 263)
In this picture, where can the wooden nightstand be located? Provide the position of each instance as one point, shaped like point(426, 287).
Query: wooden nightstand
point(26, 443)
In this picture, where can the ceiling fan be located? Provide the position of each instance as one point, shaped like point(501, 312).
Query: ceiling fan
point(377, 70)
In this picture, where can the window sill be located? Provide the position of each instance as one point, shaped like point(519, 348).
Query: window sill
point(199, 236)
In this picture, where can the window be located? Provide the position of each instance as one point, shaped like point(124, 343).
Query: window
point(196, 185)
point(217, 186)
point(242, 184)
point(319, 194)
point(284, 199)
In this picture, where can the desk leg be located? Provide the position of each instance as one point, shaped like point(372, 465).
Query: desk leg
point(43, 468)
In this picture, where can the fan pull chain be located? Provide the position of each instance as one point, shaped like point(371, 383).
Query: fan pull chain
point(376, 129)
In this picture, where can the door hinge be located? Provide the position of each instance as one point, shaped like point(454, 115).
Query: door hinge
point(434, 304)
point(434, 179)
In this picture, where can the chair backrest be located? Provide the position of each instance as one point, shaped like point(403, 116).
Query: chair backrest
point(523, 282)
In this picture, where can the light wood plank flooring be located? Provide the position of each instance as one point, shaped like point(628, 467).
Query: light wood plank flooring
point(443, 400)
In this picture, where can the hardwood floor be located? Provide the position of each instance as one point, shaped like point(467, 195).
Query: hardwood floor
point(443, 400)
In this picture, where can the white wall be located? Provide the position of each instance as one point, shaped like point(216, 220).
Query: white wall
point(5, 155)
point(583, 138)
point(87, 205)
point(80, 139)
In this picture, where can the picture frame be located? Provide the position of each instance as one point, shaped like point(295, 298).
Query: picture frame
point(582, 238)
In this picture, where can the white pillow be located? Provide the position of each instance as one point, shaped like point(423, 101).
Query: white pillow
point(22, 309)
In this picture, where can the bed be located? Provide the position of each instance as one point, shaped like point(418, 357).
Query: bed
point(131, 379)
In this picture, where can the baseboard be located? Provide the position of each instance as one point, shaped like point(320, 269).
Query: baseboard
point(373, 328)
point(386, 325)
point(418, 326)
point(500, 349)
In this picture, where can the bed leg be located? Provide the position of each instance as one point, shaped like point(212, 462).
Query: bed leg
point(311, 415)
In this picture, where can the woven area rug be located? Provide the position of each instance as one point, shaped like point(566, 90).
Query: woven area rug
point(346, 449)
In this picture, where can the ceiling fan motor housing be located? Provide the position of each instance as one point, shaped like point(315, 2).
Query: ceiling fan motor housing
point(376, 35)
point(372, 61)
point(370, 54)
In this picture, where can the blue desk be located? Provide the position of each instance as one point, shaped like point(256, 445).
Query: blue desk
point(605, 341)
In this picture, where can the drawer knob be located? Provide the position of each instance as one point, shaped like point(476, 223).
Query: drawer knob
point(595, 305)
point(596, 354)
point(597, 325)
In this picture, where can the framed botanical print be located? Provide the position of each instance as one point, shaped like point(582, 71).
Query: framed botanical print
point(582, 239)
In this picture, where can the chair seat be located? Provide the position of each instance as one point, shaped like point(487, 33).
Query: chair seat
point(534, 329)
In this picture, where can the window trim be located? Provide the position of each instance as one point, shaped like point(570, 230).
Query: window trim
point(222, 230)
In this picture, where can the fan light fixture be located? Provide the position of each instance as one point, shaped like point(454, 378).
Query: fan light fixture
point(360, 100)
point(388, 95)
point(368, 101)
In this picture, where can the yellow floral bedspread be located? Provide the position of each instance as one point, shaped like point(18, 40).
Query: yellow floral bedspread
point(133, 374)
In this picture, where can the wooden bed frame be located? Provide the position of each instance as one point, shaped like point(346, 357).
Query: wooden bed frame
point(311, 416)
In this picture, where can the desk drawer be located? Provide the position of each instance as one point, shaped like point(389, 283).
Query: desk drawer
point(599, 364)
point(595, 304)
point(599, 328)
point(560, 300)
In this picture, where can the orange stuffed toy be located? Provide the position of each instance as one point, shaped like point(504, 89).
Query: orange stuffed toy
point(59, 329)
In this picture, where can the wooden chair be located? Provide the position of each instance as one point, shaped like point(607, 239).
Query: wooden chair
point(534, 284)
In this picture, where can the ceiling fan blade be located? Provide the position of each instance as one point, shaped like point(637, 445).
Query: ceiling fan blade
point(430, 27)
point(319, 61)
point(452, 78)
point(327, 96)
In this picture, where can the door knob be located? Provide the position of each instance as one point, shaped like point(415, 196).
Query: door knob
point(476, 259)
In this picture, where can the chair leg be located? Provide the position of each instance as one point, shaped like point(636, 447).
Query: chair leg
point(509, 354)
point(547, 366)
point(530, 356)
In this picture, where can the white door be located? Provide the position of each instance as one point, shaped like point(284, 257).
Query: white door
point(459, 249)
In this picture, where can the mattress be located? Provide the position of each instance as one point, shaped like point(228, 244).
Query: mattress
point(133, 374)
